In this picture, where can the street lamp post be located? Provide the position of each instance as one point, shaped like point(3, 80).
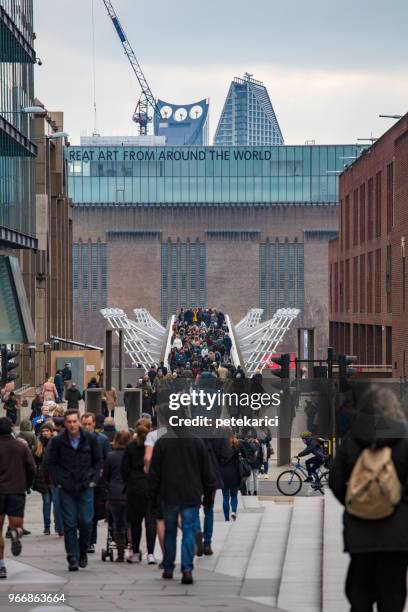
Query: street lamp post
point(27, 110)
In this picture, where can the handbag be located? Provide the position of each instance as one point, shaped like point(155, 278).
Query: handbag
point(244, 466)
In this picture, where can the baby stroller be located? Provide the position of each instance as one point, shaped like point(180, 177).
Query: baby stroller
point(107, 553)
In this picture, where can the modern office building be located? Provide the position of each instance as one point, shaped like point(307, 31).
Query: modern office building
point(248, 118)
point(368, 276)
point(17, 165)
point(183, 124)
point(230, 227)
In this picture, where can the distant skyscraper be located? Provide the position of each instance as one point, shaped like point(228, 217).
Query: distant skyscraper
point(183, 124)
point(248, 117)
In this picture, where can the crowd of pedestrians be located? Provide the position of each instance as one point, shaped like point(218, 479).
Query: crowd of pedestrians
point(86, 470)
point(145, 479)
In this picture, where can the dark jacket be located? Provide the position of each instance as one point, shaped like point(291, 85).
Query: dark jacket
point(27, 434)
point(230, 466)
point(253, 452)
point(132, 470)
point(215, 450)
point(112, 475)
point(36, 409)
point(313, 447)
point(59, 382)
point(104, 444)
point(179, 472)
point(360, 535)
point(109, 432)
point(41, 481)
point(74, 469)
point(73, 396)
point(17, 467)
point(67, 374)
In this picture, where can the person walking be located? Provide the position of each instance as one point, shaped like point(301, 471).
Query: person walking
point(149, 444)
point(179, 475)
point(137, 501)
point(17, 470)
point(230, 475)
point(88, 422)
point(111, 399)
point(43, 418)
point(27, 434)
point(73, 397)
point(378, 547)
point(67, 376)
point(204, 538)
point(74, 463)
point(109, 428)
point(12, 406)
point(36, 406)
point(59, 385)
point(253, 452)
point(265, 439)
point(49, 391)
point(41, 482)
point(112, 476)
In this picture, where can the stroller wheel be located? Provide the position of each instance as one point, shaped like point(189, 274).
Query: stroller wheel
point(103, 554)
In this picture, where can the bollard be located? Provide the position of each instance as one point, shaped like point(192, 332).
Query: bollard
point(133, 406)
point(93, 400)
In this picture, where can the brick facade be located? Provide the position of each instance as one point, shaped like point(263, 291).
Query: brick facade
point(367, 275)
point(214, 249)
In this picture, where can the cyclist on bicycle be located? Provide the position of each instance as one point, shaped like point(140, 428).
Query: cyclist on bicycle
point(315, 448)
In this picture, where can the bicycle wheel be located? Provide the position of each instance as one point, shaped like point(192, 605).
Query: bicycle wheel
point(289, 482)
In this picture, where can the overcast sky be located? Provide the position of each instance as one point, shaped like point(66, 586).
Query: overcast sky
point(330, 67)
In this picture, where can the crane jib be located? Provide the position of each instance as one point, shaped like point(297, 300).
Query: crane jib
point(119, 30)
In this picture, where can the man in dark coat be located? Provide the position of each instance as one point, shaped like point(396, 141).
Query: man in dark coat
point(74, 463)
point(378, 548)
point(88, 423)
point(180, 473)
point(227, 342)
point(59, 384)
point(215, 453)
point(73, 397)
point(17, 471)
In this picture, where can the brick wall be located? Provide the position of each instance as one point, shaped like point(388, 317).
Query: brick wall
point(373, 194)
point(232, 261)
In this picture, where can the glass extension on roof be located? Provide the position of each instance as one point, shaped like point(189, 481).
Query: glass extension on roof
point(170, 175)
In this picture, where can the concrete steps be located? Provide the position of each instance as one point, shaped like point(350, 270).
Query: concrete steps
point(234, 557)
point(263, 572)
point(301, 582)
point(335, 562)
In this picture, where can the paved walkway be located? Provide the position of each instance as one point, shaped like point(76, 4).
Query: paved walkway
point(109, 586)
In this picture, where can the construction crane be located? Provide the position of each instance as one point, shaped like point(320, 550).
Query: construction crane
point(141, 114)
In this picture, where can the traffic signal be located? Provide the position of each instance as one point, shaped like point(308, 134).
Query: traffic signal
point(344, 371)
point(284, 362)
point(7, 364)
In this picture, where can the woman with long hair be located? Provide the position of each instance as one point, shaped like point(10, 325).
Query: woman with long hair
point(230, 474)
point(116, 497)
point(378, 547)
point(41, 480)
point(36, 406)
point(137, 502)
point(50, 392)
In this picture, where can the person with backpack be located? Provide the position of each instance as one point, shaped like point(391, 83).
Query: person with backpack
point(315, 448)
point(230, 474)
point(253, 453)
point(369, 477)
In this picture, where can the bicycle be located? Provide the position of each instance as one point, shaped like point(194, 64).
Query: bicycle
point(291, 481)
